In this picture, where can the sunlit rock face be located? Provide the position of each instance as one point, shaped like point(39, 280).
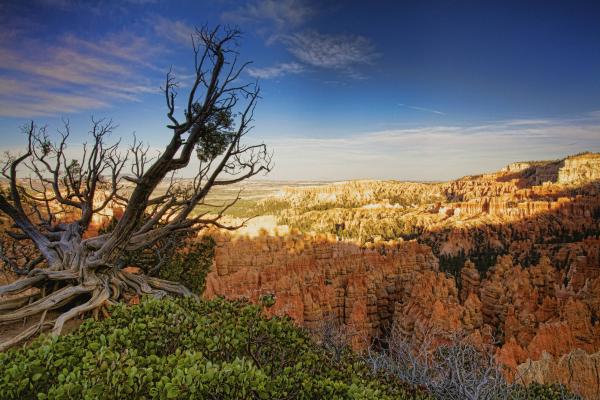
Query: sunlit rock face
point(580, 169)
point(315, 278)
point(512, 256)
point(577, 370)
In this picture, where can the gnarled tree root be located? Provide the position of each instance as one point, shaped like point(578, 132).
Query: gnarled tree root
point(105, 289)
point(97, 300)
point(36, 277)
point(26, 334)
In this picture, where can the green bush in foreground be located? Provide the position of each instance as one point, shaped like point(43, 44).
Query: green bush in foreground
point(190, 266)
point(187, 349)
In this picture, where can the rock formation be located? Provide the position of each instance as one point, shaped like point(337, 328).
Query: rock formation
point(576, 370)
point(513, 255)
point(314, 278)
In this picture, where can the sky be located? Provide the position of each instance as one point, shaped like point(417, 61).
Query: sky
point(409, 90)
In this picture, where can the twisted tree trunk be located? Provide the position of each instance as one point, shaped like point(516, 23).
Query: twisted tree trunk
point(87, 273)
point(70, 280)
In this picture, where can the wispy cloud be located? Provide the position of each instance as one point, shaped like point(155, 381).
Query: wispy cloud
point(176, 31)
point(429, 152)
point(275, 71)
point(594, 114)
point(313, 50)
point(529, 121)
point(39, 78)
point(23, 99)
point(339, 52)
point(280, 13)
point(281, 21)
point(123, 45)
point(430, 110)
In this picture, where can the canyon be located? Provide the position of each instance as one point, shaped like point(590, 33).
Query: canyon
point(511, 257)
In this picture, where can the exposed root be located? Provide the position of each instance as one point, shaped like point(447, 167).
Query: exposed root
point(52, 301)
point(168, 286)
point(27, 333)
point(17, 302)
point(106, 288)
point(97, 300)
point(21, 285)
point(37, 276)
point(105, 312)
point(153, 286)
point(137, 282)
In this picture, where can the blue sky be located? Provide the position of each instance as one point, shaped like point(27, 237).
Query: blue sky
point(420, 90)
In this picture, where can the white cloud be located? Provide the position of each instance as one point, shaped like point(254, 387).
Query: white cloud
point(174, 30)
point(339, 52)
point(278, 20)
point(24, 99)
point(430, 110)
point(529, 121)
point(122, 45)
point(39, 78)
point(275, 71)
point(428, 153)
point(281, 13)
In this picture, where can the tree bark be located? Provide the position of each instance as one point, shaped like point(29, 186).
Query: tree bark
point(86, 273)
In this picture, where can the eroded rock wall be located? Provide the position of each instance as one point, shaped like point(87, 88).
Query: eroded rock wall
point(314, 278)
point(512, 256)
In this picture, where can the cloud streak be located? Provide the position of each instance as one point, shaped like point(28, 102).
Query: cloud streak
point(594, 114)
point(279, 20)
point(339, 52)
point(330, 52)
point(275, 71)
point(430, 152)
point(175, 31)
point(73, 74)
point(281, 14)
point(430, 110)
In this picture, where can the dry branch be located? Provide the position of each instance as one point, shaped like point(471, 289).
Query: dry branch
point(52, 207)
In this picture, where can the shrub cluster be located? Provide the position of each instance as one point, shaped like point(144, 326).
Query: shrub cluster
point(191, 264)
point(188, 349)
point(537, 391)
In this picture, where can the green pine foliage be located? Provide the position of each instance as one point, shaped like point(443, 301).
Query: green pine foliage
point(190, 266)
point(188, 349)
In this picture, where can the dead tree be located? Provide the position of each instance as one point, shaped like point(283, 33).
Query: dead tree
point(334, 336)
point(447, 365)
point(44, 187)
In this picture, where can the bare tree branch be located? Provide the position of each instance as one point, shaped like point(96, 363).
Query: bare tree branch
point(56, 207)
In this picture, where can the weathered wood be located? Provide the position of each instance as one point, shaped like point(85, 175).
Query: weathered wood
point(76, 266)
point(52, 301)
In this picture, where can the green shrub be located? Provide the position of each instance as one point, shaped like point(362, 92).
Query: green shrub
point(536, 391)
point(183, 258)
point(187, 349)
point(190, 265)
